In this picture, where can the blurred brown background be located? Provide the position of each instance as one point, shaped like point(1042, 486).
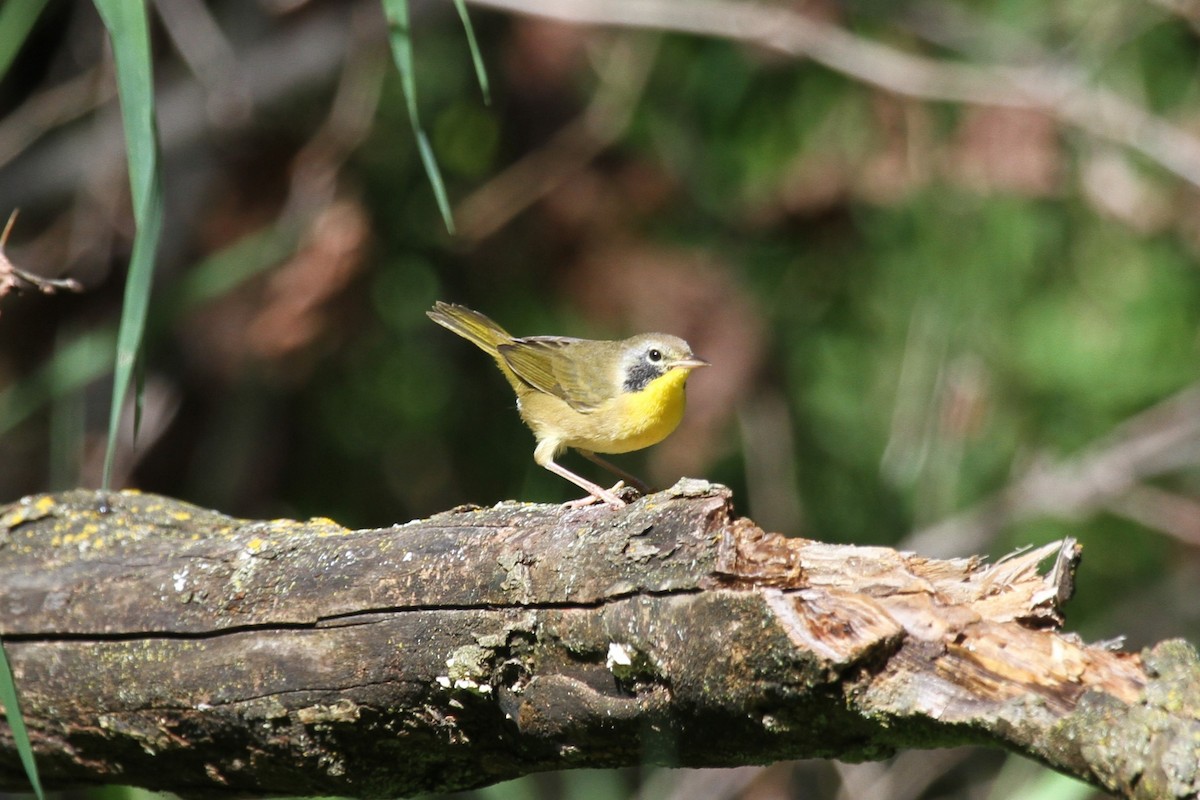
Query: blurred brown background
point(943, 257)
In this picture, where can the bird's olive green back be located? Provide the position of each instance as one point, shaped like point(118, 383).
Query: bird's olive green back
point(578, 371)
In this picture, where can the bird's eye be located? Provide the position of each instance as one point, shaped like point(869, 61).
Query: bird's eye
point(654, 355)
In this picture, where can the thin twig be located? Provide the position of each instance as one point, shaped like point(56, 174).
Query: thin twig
point(210, 56)
point(316, 167)
point(1158, 509)
point(14, 279)
point(53, 108)
point(622, 79)
point(1164, 438)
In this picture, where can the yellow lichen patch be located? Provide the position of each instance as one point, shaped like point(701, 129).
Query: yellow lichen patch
point(28, 510)
point(256, 544)
point(217, 531)
point(324, 526)
point(181, 516)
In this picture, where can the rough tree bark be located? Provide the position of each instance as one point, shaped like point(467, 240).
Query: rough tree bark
point(167, 646)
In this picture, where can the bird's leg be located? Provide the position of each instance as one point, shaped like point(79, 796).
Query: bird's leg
point(627, 478)
point(544, 455)
point(597, 492)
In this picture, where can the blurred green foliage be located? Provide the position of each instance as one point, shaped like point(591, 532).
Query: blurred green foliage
point(941, 297)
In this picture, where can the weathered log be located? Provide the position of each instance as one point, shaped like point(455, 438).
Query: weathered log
point(163, 645)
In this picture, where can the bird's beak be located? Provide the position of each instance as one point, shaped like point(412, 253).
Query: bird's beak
point(694, 362)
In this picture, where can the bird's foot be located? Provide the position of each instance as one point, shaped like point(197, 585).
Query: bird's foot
point(611, 497)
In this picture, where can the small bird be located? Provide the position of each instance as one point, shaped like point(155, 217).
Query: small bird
point(593, 396)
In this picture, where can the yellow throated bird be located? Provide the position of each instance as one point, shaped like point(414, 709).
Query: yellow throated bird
point(594, 396)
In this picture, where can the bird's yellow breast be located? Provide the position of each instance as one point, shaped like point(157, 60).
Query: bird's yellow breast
point(629, 421)
point(641, 419)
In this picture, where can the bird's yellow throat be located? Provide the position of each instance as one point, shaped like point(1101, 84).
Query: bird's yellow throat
point(650, 415)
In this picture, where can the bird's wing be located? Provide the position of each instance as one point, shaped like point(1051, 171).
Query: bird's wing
point(544, 363)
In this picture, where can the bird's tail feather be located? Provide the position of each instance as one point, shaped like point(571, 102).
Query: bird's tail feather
point(471, 325)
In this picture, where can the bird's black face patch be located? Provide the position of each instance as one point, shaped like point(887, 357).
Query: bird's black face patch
point(640, 374)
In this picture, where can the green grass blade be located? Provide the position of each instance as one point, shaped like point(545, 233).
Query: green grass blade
point(8, 696)
point(16, 20)
point(139, 394)
point(127, 28)
point(476, 58)
point(400, 37)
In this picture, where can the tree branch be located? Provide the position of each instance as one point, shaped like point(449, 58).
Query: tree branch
point(164, 645)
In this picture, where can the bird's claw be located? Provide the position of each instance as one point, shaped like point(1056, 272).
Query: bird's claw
point(613, 500)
